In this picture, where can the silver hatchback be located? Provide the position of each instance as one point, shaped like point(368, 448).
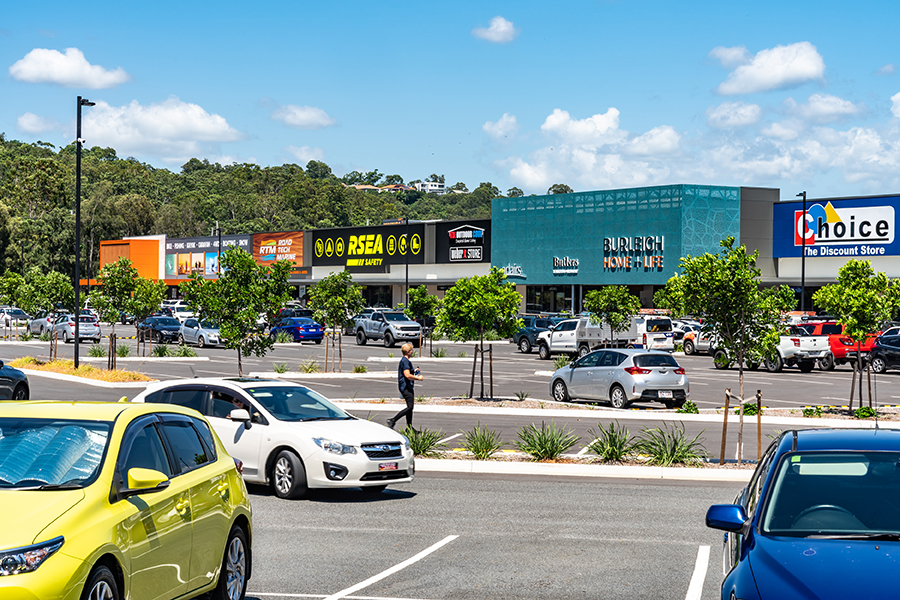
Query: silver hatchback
point(621, 377)
point(88, 328)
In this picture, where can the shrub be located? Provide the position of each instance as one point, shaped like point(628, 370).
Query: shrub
point(491, 335)
point(310, 366)
point(185, 351)
point(27, 336)
point(522, 395)
point(360, 369)
point(561, 361)
point(439, 353)
point(812, 411)
point(123, 350)
point(283, 337)
point(280, 367)
point(679, 347)
point(161, 350)
point(864, 412)
point(611, 443)
point(45, 337)
point(97, 351)
point(749, 409)
point(424, 441)
point(482, 442)
point(688, 408)
point(546, 443)
point(666, 446)
point(462, 354)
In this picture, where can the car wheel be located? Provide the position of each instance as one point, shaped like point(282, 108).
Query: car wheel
point(669, 404)
point(879, 365)
point(232, 584)
point(201, 343)
point(373, 490)
point(806, 366)
point(560, 393)
point(319, 341)
point(617, 397)
point(688, 347)
point(158, 337)
point(388, 340)
point(288, 476)
point(752, 365)
point(720, 359)
point(43, 331)
point(101, 585)
point(584, 351)
point(361, 338)
point(826, 363)
point(774, 365)
point(20, 393)
point(65, 336)
point(544, 352)
point(524, 346)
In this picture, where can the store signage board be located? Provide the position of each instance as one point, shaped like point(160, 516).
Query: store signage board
point(185, 256)
point(369, 249)
point(284, 245)
point(463, 242)
point(851, 228)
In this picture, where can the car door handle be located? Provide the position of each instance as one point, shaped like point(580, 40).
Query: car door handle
point(222, 488)
point(183, 506)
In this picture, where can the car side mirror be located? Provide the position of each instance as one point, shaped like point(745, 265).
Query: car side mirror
point(144, 481)
point(241, 415)
point(727, 517)
point(1, 364)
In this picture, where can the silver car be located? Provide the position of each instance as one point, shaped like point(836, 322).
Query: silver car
point(200, 333)
point(88, 328)
point(14, 317)
point(621, 377)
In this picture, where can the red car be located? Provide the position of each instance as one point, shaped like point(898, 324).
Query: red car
point(840, 344)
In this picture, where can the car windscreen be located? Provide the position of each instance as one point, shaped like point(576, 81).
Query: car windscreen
point(654, 360)
point(50, 453)
point(17, 313)
point(834, 494)
point(168, 321)
point(209, 325)
point(395, 316)
point(296, 403)
point(183, 309)
point(87, 320)
point(659, 325)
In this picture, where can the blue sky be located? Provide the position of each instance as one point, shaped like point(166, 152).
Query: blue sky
point(797, 95)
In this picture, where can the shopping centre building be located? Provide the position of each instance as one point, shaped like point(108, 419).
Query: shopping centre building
point(556, 248)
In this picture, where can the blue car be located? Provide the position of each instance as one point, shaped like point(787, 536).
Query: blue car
point(301, 328)
point(13, 384)
point(820, 519)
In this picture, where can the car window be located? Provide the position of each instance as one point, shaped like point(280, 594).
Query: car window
point(659, 325)
point(296, 403)
point(655, 360)
point(206, 435)
point(146, 452)
point(188, 398)
point(610, 359)
point(567, 326)
point(589, 360)
point(186, 446)
point(751, 497)
point(542, 323)
point(832, 329)
point(397, 316)
point(166, 321)
point(223, 403)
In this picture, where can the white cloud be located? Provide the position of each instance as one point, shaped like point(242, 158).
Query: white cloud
point(32, 123)
point(658, 141)
point(784, 130)
point(592, 132)
point(823, 108)
point(887, 69)
point(505, 127)
point(500, 31)
point(304, 154)
point(71, 69)
point(776, 68)
point(303, 117)
point(895, 106)
point(730, 57)
point(733, 114)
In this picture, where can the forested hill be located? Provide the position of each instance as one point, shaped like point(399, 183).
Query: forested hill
point(124, 197)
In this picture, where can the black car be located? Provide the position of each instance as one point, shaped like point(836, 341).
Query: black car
point(526, 337)
point(13, 384)
point(885, 353)
point(161, 329)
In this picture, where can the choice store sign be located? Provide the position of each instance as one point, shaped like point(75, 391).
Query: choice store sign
point(846, 228)
point(369, 249)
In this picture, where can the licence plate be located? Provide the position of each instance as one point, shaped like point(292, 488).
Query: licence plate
point(391, 466)
point(665, 393)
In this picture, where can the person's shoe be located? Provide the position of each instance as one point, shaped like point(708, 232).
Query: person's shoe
point(390, 423)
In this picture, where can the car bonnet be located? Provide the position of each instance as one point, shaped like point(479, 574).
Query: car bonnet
point(352, 432)
point(26, 513)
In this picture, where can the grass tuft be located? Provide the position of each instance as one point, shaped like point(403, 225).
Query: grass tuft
point(310, 366)
point(96, 351)
point(424, 441)
point(283, 337)
point(668, 446)
point(280, 367)
point(360, 369)
point(561, 361)
point(612, 443)
point(123, 350)
point(688, 408)
point(546, 443)
point(482, 442)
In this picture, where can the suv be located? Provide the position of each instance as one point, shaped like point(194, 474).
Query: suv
point(388, 326)
point(526, 337)
point(843, 349)
point(885, 353)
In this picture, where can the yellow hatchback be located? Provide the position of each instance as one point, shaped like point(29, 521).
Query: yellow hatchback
point(104, 501)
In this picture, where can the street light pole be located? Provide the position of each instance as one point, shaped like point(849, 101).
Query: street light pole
point(219, 258)
point(803, 256)
point(78, 140)
point(408, 248)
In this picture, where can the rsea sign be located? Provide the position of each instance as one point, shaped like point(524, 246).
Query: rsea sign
point(369, 249)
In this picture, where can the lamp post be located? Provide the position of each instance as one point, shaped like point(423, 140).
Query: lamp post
point(803, 255)
point(408, 249)
point(81, 102)
point(219, 258)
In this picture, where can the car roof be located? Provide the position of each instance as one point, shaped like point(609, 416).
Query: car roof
point(82, 410)
point(811, 440)
point(234, 382)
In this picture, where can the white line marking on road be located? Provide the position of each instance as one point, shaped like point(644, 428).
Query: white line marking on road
point(695, 589)
point(447, 439)
point(394, 569)
point(275, 595)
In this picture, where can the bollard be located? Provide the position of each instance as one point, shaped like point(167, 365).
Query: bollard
point(725, 427)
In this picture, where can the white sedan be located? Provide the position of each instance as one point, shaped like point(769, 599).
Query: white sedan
point(290, 436)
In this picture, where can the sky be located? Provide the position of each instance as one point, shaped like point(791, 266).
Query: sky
point(802, 95)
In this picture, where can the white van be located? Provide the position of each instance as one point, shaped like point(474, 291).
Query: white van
point(581, 336)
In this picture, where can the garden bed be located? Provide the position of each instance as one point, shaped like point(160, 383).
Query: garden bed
point(67, 367)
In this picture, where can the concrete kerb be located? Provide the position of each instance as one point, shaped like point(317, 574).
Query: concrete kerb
point(299, 375)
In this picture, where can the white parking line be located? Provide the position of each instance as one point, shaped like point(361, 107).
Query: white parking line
point(447, 439)
point(394, 569)
point(695, 589)
point(275, 595)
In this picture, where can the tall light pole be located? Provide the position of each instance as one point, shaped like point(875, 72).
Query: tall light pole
point(803, 255)
point(78, 140)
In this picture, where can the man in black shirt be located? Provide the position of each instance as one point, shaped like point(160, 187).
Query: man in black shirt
point(406, 378)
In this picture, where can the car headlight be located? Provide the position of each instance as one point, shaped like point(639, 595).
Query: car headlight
point(28, 558)
point(334, 447)
point(406, 441)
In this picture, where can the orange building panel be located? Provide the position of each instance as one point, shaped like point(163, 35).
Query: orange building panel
point(144, 255)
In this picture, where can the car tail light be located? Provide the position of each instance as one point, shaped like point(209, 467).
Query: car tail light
point(239, 466)
point(679, 371)
point(796, 342)
point(645, 339)
point(637, 371)
point(846, 341)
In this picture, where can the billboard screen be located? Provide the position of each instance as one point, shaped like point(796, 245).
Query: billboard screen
point(282, 245)
point(192, 255)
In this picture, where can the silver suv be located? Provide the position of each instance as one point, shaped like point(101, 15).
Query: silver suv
point(388, 326)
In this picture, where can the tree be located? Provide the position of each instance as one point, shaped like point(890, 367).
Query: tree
point(422, 305)
point(479, 303)
point(612, 305)
point(560, 188)
point(146, 298)
point(235, 300)
point(435, 178)
point(334, 300)
point(861, 300)
point(10, 285)
point(459, 186)
point(514, 192)
point(723, 289)
point(318, 170)
point(393, 180)
point(117, 281)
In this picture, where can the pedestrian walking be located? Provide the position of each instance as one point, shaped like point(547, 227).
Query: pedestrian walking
point(406, 378)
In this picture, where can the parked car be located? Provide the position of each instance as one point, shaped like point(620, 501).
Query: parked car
point(182, 312)
point(290, 436)
point(842, 348)
point(160, 329)
point(885, 353)
point(582, 335)
point(88, 328)
point(14, 317)
point(818, 518)
point(13, 384)
point(699, 340)
point(680, 328)
point(389, 326)
point(300, 328)
point(43, 321)
point(116, 500)
point(526, 337)
point(622, 376)
point(201, 333)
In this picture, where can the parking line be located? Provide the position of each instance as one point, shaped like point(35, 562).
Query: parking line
point(695, 589)
point(447, 439)
point(394, 569)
